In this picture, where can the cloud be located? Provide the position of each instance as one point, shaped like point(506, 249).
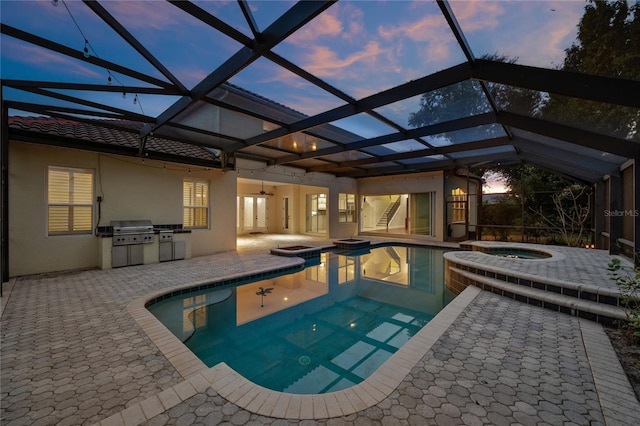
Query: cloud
point(341, 21)
point(423, 30)
point(327, 24)
point(47, 61)
point(190, 75)
point(148, 15)
point(324, 62)
point(537, 35)
point(428, 39)
point(478, 15)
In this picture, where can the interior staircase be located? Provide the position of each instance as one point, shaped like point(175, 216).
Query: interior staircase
point(389, 213)
point(394, 263)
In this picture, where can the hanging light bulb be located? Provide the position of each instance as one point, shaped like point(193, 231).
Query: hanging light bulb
point(54, 2)
point(86, 48)
point(135, 99)
point(109, 79)
point(124, 95)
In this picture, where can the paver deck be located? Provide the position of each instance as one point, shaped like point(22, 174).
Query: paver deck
point(72, 354)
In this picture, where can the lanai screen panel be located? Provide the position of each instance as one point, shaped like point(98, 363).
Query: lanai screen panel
point(316, 86)
point(363, 48)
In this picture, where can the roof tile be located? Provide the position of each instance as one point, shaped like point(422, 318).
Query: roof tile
point(99, 134)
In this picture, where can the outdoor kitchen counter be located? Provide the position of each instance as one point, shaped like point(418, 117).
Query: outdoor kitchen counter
point(151, 251)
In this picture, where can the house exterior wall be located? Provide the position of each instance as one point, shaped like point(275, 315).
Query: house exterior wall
point(135, 189)
point(414, 184)
point(130, 189)
point(472, 188)
point(297, 185)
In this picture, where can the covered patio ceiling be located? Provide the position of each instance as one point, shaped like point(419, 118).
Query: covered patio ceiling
point(354, 89)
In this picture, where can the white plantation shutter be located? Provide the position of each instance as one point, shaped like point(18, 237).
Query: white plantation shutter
point(196, 203)
point(70, 200)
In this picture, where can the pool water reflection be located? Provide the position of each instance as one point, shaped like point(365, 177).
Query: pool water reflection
point(323, 329)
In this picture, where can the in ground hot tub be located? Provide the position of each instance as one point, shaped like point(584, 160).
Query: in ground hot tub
point(518, 253)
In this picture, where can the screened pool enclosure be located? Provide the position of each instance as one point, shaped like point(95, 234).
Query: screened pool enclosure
point(350, 89)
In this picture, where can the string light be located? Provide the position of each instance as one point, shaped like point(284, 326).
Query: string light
point(86, 54)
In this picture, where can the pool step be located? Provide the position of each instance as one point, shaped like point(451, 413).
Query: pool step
point(573, 305)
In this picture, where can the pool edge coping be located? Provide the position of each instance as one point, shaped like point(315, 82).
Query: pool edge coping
point(236, 389)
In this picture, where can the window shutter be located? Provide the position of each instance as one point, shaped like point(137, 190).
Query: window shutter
point(70, 199)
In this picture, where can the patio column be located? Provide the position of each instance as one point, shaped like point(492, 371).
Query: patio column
point(615, 220)
point(4, 195)
point(599, 206)
point(636, 213)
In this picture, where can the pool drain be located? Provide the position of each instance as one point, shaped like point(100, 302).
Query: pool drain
point(304, 360)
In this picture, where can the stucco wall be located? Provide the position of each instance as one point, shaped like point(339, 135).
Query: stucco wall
point(418, 183)
point(130, 189)
point(297, 185)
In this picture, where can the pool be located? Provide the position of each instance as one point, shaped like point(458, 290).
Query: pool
point(518, 253)
point(320, 330)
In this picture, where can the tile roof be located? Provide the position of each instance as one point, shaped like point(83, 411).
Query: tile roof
point(105, 133)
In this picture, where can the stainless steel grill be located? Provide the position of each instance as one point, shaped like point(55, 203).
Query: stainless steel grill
point(128, 232)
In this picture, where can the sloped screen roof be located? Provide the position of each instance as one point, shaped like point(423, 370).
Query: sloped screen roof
point(353, 88)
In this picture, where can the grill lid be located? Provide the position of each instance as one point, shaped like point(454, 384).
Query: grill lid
point(132, 227)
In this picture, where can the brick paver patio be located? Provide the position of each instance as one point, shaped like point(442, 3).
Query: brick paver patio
point(72, 354)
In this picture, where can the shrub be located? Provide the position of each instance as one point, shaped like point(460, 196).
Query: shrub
point(628, 282)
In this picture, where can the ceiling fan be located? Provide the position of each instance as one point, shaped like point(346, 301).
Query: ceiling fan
point(262, 191)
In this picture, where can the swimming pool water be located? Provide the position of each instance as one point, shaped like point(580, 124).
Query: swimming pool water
point(323, 329)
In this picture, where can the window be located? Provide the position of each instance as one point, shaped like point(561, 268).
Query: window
point(318, 273)
point(70, 201)
point(347, 207)
point(194, 315)
point(196, 203)
point(459, 205)
point(346, 269)
point(421, 214)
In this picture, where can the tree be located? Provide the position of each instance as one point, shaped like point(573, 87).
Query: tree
point(467, 98)
point(607, 44)
point(572, 213)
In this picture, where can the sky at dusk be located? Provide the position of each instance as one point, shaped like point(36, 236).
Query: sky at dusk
point(360, 47)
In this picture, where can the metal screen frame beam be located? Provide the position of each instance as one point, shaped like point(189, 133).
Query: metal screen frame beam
point(432, 166)
point(565, 159)
point(299, 14)
point(77, 54)
point(448, 149)
point(431, 82)
point(27, 84)
point(576, 85)
point(433, 129)
point(621, 147)
point(133, 42)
